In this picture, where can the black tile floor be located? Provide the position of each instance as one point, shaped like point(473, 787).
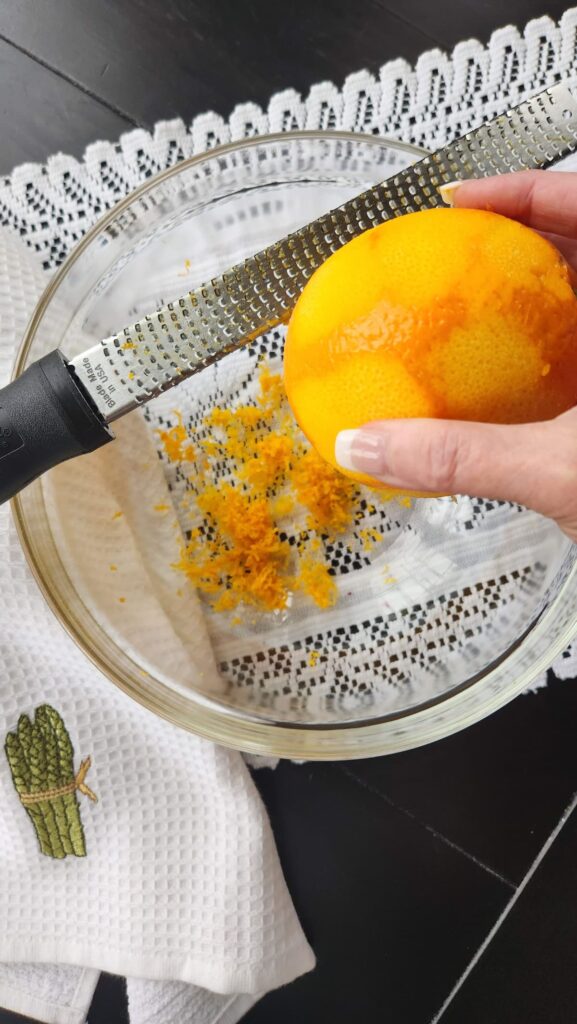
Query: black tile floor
point(528, 969)
point(403, 869)
point(397, 864)
point(378, 895)
point(135, 61)
point(497, 789)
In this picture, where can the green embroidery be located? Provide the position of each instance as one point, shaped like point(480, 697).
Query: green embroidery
point(41, 759)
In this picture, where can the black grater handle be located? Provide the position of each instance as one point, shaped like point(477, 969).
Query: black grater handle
point(45, 418)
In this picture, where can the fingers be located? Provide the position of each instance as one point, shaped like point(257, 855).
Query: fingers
point(532, 464)
point(545, 200)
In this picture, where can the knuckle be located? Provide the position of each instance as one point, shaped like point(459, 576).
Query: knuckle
point(443, 458)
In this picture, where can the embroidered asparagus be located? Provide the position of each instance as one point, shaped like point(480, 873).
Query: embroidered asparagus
point(15, 752)
point(55, 772)
point(41, 759)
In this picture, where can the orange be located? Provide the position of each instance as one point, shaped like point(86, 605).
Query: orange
point(453, 313)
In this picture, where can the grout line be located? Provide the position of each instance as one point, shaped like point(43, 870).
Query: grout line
point(72, 81)
point(505, 913)
point(429, 828)
point(465, 853)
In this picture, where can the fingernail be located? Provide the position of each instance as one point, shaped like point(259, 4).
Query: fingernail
point(447, 191)
point(362, 451)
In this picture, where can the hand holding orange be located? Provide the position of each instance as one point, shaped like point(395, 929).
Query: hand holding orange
point(454, 314)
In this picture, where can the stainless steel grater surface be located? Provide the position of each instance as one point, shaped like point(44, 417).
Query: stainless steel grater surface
point(163, 348)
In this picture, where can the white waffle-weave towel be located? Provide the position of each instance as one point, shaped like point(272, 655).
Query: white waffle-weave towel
point(180, 886)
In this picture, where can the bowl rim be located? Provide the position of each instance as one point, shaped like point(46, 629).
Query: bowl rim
point(156, 179)
point(206, 716)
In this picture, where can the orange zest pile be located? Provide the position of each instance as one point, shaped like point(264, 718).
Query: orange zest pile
point(238, 553)
point(176, 443)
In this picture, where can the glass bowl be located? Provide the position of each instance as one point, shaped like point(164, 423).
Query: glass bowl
point(459, 606)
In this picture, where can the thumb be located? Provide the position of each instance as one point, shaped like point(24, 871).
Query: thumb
point(533, 464)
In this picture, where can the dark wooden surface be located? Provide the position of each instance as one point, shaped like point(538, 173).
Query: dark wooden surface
point(399, 867)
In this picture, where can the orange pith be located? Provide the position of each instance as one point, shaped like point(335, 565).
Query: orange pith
point(460, 314)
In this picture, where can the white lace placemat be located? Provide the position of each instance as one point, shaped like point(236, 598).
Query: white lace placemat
point(51, 206)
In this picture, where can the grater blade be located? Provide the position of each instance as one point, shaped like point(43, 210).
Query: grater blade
point(163, 348)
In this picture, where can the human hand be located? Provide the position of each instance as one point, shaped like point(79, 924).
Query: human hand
point(534, 464)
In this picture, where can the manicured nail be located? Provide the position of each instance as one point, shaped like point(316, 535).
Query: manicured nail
point(361, 451)
point(447, 192)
